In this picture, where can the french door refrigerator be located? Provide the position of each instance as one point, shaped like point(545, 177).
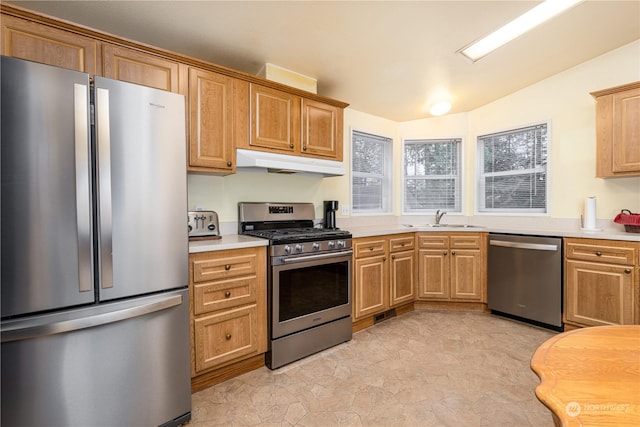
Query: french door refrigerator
point(94, 254)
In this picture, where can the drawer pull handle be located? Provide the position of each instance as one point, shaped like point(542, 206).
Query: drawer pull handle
point(402, 244)
point(227, 294)
point(371, 248)
point(228, 336)
point(598, 253)
point(227, 267)
point(627, 271)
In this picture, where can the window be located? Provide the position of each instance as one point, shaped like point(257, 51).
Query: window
point(513, 171)
point(432, 175)
point(370, 173)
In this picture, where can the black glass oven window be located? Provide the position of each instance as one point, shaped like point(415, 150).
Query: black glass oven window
point(308, 290)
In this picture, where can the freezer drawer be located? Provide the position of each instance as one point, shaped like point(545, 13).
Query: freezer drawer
point(119, 364)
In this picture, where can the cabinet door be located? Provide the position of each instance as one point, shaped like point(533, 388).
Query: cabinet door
point(599, 294)
point(129, 65)
point(275, 120)
point(626, 131)
point(40, 43)
point(466, 275)
point(225, 336)
point(321, 129)
point(402, 277)
point(370, 286)
point(217, 104)
point(433, 273)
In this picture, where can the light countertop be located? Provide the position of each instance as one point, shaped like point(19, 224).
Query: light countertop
point(236, 241)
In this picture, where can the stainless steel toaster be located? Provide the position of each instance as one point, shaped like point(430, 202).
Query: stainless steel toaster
point(203, 224)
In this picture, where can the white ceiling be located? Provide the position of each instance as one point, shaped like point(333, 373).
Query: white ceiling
point(386, 58)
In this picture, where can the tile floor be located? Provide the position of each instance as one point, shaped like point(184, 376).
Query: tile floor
point(423, 368)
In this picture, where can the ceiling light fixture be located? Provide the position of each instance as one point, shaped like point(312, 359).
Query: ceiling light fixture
point(440, 108)
point(534, 17)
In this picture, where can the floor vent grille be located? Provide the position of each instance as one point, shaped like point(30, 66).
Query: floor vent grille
point(384, 316)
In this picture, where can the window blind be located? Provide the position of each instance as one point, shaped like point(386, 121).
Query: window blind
point(432, 175)
point(513, 170)
point(370, 173)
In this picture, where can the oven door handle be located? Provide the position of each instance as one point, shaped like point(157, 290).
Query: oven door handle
point(314, 257)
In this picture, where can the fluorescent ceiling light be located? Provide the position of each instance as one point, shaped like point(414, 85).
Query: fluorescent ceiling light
point(536, 16)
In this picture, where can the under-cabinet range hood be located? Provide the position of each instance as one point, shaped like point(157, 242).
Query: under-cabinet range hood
point(283, 163)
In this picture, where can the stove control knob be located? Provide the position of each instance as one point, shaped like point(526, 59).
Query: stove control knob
point(316, 246)
point(287, 249)
point(342, 244)
point(331, 244)
point(299, 248)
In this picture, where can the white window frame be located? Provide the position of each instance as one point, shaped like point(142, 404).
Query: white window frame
point(480, 183)
point(387, 177)
point(458, 177)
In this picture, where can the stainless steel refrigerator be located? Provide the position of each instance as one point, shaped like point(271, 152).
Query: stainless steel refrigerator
point(94, 255)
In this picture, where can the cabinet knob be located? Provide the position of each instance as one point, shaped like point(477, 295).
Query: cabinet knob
point(453, 252)
point(229, 164)
point(227, 267)
point(227, 294)
point(371, 248)
point(384, 258)
point(393, 257)
point(291, 145)
point(444, 252)
point(627, 271)
point(598, 253)
point(304, 148)
point(228, 336)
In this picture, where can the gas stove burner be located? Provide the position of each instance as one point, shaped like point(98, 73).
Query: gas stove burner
point(293, 235)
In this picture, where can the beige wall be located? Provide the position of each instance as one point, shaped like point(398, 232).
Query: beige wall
point(563, 100)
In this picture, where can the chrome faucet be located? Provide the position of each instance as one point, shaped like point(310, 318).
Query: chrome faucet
point(439, 216)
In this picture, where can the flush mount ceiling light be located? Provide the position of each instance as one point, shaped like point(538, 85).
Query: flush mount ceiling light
point(536, 16)
point(440, 108)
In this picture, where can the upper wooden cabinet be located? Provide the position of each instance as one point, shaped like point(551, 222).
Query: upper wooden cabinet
point(129, 65)
point(286, 123)
point(218, 113)
point(275, 120)
point(321, 129)
point(618, 131)
point(41, 43)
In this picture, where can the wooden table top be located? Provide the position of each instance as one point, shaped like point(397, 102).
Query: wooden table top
point(591, 376)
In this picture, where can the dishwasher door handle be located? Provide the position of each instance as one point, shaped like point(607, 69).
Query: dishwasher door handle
point(533, 246)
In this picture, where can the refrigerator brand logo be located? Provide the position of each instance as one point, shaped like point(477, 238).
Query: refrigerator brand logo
point(156, 105)
point(280, 209)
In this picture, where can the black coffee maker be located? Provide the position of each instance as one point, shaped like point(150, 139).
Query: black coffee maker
point(330, 208)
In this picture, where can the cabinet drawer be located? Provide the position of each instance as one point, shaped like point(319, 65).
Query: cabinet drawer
point(433, 241)
point(225, 336)
point(223, 294)
point(466, 241)
point(224, 267)
point(601, 253)
point(369, 247)
point(401, 243)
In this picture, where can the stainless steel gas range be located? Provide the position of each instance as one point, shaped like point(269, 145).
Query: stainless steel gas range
point(309, 279)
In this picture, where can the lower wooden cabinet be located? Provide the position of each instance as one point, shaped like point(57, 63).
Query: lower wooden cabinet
point(384, 273)
point(601, 285)
point(228, 308)
point(452, 267)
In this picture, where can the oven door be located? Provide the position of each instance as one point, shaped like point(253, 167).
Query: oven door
point(308, 291)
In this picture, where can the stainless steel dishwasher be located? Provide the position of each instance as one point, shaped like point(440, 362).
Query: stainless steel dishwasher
point(525, 278)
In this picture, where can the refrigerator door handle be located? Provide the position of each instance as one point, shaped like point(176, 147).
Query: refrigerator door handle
point(64, 326)
point(83, 203)
point(103, 135)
